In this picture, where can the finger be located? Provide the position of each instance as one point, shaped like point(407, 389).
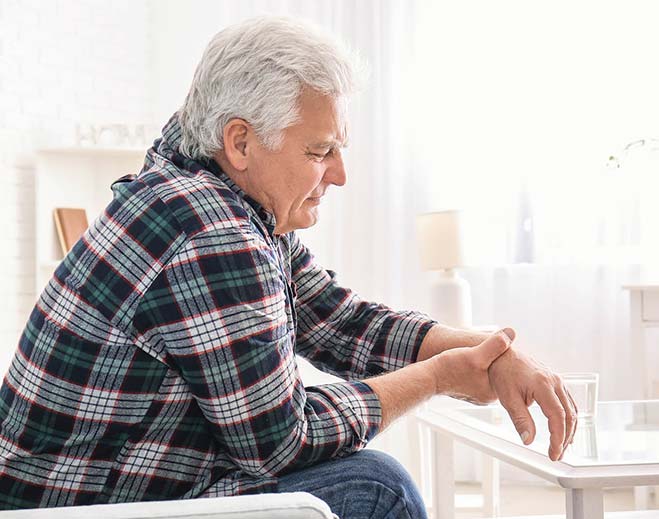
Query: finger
point(520, 416)
point(570, 415)
point(493, 347)
point(576, 413)
point(553, 409)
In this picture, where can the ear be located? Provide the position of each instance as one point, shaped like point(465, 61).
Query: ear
point(235, 134)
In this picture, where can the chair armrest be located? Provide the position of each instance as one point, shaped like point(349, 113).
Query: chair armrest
point(293, 505)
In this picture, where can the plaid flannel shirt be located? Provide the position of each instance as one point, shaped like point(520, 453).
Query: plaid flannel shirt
point(158, 363)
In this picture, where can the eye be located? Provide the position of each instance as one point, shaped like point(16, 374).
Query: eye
point(321, 156)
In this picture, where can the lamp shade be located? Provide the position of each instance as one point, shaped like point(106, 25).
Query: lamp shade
point(440, 240)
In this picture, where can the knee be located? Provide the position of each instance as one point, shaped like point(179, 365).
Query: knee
point(382, 467)
point(385, 471)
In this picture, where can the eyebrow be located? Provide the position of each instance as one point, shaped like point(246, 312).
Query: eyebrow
point(330, 144)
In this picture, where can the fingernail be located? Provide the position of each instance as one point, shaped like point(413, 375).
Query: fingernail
point(509, 333)
point(525, 436)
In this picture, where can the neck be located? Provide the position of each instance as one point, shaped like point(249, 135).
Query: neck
point(242, 180)
point(231, 172)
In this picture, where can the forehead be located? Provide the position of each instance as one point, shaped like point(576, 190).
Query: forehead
point(322, 119)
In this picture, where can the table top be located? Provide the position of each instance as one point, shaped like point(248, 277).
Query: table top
point(620, 447)
point(647, 287)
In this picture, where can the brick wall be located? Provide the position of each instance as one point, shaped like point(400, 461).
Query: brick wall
point(61, 62)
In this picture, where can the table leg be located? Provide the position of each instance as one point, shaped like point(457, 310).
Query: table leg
point(443, 477)
point(584, 503)
point(641, 498)
point(491, 486)
point(638, 353)
point(416, 449)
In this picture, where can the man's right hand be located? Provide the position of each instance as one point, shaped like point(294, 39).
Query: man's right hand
point(463, 372)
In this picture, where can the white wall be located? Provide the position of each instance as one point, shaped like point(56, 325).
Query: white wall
point(61, 62)
point(181, 31)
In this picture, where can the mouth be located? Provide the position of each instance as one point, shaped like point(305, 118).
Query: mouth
point(315, 199)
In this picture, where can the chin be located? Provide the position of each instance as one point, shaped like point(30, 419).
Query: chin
point(308, 220)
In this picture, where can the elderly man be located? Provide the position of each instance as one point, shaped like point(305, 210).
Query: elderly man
point(159, 362)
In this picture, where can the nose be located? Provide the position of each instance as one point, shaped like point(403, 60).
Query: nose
point(336, 172)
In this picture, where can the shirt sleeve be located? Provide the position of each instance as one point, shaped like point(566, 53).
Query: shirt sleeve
point(344, 335)
point(219, 310)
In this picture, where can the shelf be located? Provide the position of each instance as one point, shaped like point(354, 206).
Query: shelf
point(94, 152)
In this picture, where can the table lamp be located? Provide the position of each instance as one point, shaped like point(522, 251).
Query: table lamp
point(440, 247)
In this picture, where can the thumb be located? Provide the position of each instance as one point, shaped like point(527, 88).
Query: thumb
point(491, 348)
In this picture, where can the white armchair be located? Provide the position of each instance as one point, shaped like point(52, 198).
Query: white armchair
point(295, 505)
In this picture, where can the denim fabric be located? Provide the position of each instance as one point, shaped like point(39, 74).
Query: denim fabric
point(366, 485)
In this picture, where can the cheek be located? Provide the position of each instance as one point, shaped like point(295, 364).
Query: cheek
point(318, 175)
point(309, 181)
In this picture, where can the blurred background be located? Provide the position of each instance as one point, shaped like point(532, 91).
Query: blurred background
point(538, 120)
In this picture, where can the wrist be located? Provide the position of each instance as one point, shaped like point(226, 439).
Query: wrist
point(440, 374)
point(441, 338)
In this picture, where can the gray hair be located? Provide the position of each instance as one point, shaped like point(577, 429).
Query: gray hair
point(256, 71)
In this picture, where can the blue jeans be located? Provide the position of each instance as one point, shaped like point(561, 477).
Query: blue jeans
point(366, 485)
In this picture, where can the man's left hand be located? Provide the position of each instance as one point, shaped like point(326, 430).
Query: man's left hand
point(518, 381)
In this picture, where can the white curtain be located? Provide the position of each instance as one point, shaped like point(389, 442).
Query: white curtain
point(540, 121)
point(524, 103)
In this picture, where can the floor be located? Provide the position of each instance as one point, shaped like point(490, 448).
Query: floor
point(538, 499)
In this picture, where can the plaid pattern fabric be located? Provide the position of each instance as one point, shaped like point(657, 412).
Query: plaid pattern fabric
point(159, 362)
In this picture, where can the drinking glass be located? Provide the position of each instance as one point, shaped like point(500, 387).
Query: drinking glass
point(584, 388)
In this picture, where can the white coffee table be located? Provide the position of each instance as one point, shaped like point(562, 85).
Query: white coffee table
point(620, 449)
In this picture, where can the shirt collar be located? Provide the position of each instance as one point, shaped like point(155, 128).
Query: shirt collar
point(168, 146)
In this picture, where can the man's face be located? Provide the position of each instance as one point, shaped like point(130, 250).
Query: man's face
point(291, 181)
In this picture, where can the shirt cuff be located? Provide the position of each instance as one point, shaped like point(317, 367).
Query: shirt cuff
point(360, 406)
point(404, 337)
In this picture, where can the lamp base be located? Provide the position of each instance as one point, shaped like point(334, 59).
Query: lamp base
point(451, 300)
